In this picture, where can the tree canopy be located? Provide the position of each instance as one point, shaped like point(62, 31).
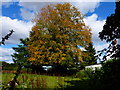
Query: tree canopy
point(58, 31)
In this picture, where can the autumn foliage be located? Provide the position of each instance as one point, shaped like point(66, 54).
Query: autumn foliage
point(55, 37)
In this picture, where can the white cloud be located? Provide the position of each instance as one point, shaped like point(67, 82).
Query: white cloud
point(5, 54)
point(96, 26)
point(101, 46)
point(86, 7)
point(27, 15)
point(7, 3)
point(29, 8)
point(65, 0)
point(21, 29)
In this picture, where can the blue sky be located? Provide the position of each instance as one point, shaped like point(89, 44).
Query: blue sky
point(13, 11)
point(105, 9)
point(18, 16)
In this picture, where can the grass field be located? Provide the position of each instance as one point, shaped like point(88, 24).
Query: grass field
point(37, 81)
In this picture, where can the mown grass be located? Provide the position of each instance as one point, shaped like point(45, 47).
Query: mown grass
point(37, 81)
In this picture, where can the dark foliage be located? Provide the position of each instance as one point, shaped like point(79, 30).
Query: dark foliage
point(21, 54)
point(8, 66)
point(91, 57)
point(6, 37)
point(111, 29)
point(111, 32)
point(107, 78)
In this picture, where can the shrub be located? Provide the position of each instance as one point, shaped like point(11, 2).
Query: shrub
point(106, 78)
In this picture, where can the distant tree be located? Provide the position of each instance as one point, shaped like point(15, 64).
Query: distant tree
point(21, 54)
point(89, 56)
point(6, 37)
point(90, 52)
point(54, 39)
point(8, 66)
point(3, 63)
point(111, 33)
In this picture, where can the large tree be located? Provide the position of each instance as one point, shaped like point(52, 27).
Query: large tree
point(58, 31)
point(111, 32)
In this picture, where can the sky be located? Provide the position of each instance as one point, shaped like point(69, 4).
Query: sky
point(18, 15)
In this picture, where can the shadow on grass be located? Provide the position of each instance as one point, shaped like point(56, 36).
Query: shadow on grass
point(80, 84)
point(87, 84)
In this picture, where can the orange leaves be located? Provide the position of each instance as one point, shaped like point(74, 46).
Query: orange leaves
point(58, 36)
point(41, 42)
point(63, 47)
point(31, 59)
point(49, 58)
point(50, 48)
point(42, 47)
point(59, 28)
point(57, 49)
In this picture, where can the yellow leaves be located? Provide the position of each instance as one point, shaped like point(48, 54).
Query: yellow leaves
point(31, 59)
point(41, 42)
point(63, 54)
point(49, 58)
point(57, 49)
point(58, 36)
point(50, 48)
point(53, 42)
point(43, 56)
point(62, 58)
point(59, 28)
point(63, 46)
point(43, 47)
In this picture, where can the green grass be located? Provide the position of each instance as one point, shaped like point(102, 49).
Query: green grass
point(38, 81)
point(0, 80)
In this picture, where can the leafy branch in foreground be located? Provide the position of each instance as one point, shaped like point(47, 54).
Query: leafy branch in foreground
point(112, 51)
point(111, 33)
point(6, 37)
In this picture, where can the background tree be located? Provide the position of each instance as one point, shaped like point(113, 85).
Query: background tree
point(111, 32)
point(21, 55)
point(91, 53)
point(54, 39)
point(89, 56)
point(8, 66)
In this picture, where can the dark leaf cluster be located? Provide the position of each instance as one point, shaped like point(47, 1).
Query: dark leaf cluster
point(111, 33)
point(6, 37)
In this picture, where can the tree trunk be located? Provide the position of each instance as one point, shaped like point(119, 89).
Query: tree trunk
point(14, 82)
